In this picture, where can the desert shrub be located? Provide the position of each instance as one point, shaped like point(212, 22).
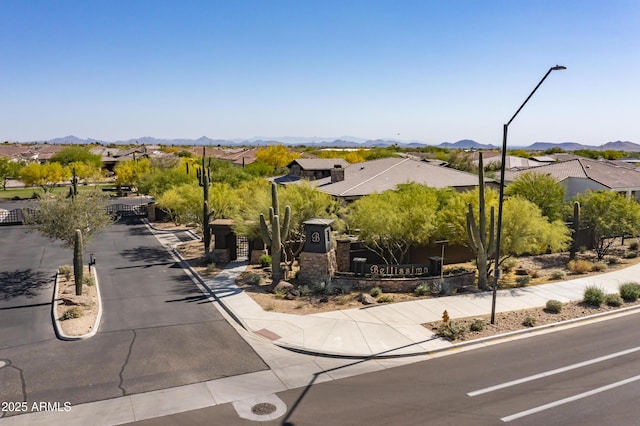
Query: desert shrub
point(422, 290)
point(299, 305)
point(558, 274)
point(66, 270)
point(631, 254)
point(582, 249)
point(553, 306)
point(255, 279)
point(508, 265)
point(88, 280)
point(386, 298)
point(437, 286)
point(477, 325)
point(613, 260)
point(264, 260)
point(452, 330)
point(73, 312)
point(304, 290)
point(280, 293)
point(629, 291)
point(599, 266)
point(634, 246)
point(523, 280)
point(343, 299)
point(593, 295)
point(613, 299)
point(535, 273)
point(529, 321)
point(375, 292)
point(270, 306)
point(579, 266)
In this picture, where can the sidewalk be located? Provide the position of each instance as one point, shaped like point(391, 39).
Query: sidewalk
point(390, 330)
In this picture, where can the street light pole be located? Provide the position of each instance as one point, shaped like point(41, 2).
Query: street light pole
point(505, 128)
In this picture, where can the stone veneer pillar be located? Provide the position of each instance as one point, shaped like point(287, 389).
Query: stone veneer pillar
point(317, 267)
point(343, 255)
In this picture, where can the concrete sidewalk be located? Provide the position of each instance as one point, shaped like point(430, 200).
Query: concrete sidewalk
point(388, 330)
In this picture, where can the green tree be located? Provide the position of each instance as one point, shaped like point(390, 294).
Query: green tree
point(77, 154)
point(392, 221)
point(524, 228)
point(160, 179)
point(305, 201)
point(8, 169)
point(184, 203)
point(608, 215)
point(129, 173)
point(542, 190)
point(277, 156)
point(459, 160)
point(46, 176)
point(84, 171)
point(58, 218)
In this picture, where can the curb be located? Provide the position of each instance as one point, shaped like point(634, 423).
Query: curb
point(54, 312)
point(476, 342)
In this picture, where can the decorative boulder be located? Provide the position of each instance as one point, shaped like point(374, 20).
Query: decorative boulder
point(283, 285)
point(367, 299)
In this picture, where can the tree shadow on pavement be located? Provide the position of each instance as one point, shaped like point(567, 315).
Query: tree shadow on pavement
point(25, 283)
point(147, 254)
point(190, 292)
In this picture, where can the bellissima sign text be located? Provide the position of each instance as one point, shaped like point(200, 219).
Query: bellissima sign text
point(402, 270)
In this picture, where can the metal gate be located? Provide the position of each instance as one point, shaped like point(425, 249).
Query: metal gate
point(242, 248)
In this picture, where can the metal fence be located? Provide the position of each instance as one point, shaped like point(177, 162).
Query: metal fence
point(126, 210)
point(16, 216)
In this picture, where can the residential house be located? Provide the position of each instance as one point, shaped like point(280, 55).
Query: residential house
point(582, 174)
point(356, 180)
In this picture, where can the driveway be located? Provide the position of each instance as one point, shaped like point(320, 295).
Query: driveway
point(157, 329)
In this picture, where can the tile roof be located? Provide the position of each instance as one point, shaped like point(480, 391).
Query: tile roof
point(607, 173)
point(386, 173)
point(319, 163)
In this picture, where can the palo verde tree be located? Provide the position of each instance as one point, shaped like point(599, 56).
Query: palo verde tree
point(72, 221)
point(46, 176)
point(391, 222)
point(524, 228)
point(608, 215)
point(542, 190)
point(277, 156)
point(8, 169)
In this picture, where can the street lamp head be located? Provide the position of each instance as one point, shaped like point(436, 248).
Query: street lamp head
point(558, 68)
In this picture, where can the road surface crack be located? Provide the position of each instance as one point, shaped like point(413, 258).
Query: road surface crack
point(126, 362)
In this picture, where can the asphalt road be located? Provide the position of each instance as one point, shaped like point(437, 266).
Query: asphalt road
point(589, 390)
point(157, 329)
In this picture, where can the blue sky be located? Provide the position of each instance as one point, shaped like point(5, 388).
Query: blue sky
point(425, 70)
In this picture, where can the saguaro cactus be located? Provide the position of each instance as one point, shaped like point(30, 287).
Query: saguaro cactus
point(77, 261)
point(204, 180)
point(73, 189)
point(576, 227)
point(275, 235)
point(484, 249)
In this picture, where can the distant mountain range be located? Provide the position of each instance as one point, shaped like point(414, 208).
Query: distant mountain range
point(344, 142)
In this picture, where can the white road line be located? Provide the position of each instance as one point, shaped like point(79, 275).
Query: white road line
point(570, 399)
point(552, 372)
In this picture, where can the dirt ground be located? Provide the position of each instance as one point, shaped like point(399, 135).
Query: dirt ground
point(87, 303)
